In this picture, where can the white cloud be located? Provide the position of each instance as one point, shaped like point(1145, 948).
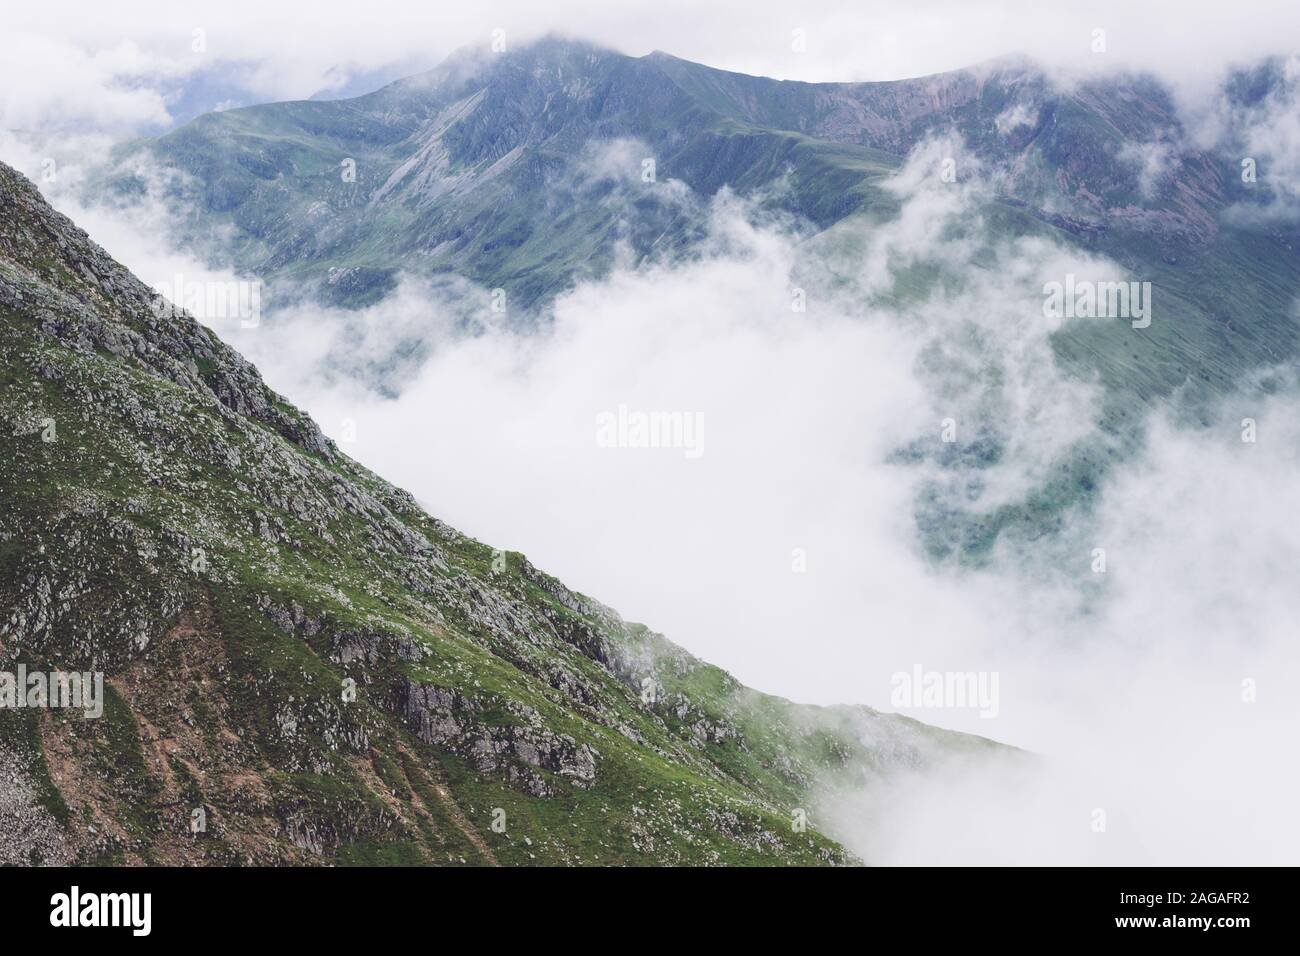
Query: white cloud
point(1153, 162)
point(1015, 117)
point(1268, 135)
point(286, 55)
point(1141, 707)
point(51, 84)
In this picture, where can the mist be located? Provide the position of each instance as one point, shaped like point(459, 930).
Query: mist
point(134, 63)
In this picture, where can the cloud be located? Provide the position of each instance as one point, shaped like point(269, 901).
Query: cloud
point(281, 54)
point(1015, 117)
point(1165, 715)
point(52, 84)
point(1266, 136)
point(1153, 162)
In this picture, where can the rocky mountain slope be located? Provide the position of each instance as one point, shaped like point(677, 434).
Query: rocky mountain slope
point(303, 667)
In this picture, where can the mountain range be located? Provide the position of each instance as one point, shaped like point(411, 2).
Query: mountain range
point(524, 170)
point(300, 658)
point(525, 173)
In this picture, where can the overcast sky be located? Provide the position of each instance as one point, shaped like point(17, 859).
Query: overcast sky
point(123, 63)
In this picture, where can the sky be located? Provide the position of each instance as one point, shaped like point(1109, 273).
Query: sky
point(1135, 703)
point(145, 63)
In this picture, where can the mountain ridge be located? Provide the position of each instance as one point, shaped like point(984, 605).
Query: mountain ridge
point(489, 166)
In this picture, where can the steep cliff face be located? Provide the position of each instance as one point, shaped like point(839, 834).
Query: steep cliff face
point(301, 666)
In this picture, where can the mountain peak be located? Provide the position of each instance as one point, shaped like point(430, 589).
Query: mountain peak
point(479, 61)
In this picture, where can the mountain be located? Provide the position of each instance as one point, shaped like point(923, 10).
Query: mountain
point(301, 666)
point(496, 168)
point(522, 172)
